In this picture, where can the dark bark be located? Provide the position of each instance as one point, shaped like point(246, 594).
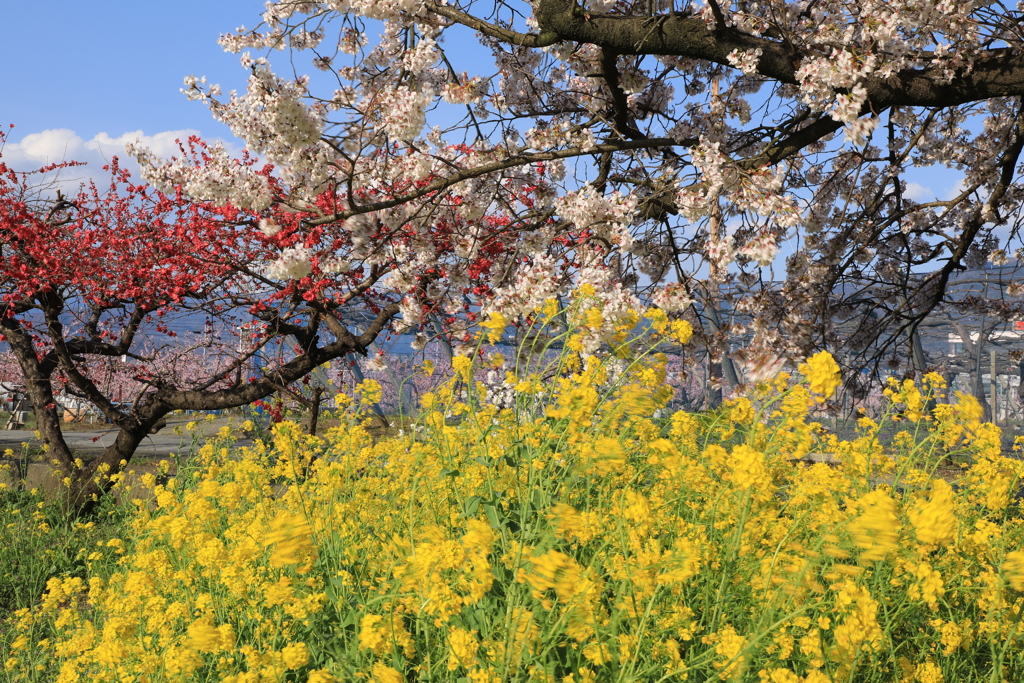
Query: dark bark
point(147, 414)
point(996, 72)
point(314, 409)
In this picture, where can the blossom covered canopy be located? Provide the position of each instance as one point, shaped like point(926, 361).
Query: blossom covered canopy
point(631, 144)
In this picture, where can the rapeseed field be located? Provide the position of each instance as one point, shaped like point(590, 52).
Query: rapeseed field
point(574, 537)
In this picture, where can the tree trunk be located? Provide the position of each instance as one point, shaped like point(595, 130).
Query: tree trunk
point(714, 385)
point(978, 385)
point(87, 482)
point(314, 409)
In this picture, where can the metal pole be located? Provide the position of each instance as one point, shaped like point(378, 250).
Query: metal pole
point(993, 387)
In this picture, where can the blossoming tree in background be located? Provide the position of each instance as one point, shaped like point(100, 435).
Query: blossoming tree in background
point(95, 286)
point(683, 143)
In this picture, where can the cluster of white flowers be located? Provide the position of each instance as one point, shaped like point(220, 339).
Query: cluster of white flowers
point(558, 134)
point(335, 264)
point(719, 176)
point(411, 312)
point(244, 39)
point(758, 191)
point(277, 13)
point(375, 363)
point(269, 227)
point(271, 117)
point(848, 105)
point(465, 90)
point(276, 123)
point(762, 368)
point(998, 257)
point(672, 298)
point(351, 41)
point(761, 249)
point(403, 112)
point(859, 132)
point(721, 252)
point(198, 89)
point(305, 40)
point(745, 60)
point(532, 285)
point(220, 180)
point(837, 78)
point(632, 79)
point(294, 262)
point(374, 9)
point(497, 389)
point(607, 215)
point(413, 166)
point(422, 57)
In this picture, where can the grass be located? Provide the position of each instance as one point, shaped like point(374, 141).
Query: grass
point(38, 542)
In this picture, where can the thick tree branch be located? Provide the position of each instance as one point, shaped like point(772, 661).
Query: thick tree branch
point(510, 162)
point(505, 35)
point(997, 72)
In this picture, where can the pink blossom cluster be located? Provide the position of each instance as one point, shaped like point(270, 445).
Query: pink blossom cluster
point(761, 249)
point(745, 60)
point(672, 298)
point(403, 112)
point(465, 90)
point(533, 285)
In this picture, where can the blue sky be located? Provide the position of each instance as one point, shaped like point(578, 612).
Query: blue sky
point(115, 66)
point(82, 78)
point(104, 67)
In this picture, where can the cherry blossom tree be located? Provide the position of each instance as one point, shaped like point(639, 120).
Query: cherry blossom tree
point(751, 156)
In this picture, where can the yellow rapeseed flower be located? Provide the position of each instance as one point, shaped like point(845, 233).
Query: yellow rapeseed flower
point(934, 520)
point(682, 331)
point(381, 673)
point(371, 636)
point(876, 530)
point(557, 571)
point(325, 676)
point(747, 471)
point(1013, 569)
point(292, 538)
point(370, 391)
point(463, 645)
point(204, 636)
point(822, 373)
point(495, 326)
point(729, 646)
point(295, 655)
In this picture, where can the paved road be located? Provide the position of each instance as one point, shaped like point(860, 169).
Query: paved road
point(160, 444)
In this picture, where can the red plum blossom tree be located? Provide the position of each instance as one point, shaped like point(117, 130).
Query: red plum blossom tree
point(93, 287)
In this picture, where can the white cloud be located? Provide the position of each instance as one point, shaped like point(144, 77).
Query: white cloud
point(49, 147)
point(954, 191)
point(162, 144)
point(919, 193)
point(62, 144)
